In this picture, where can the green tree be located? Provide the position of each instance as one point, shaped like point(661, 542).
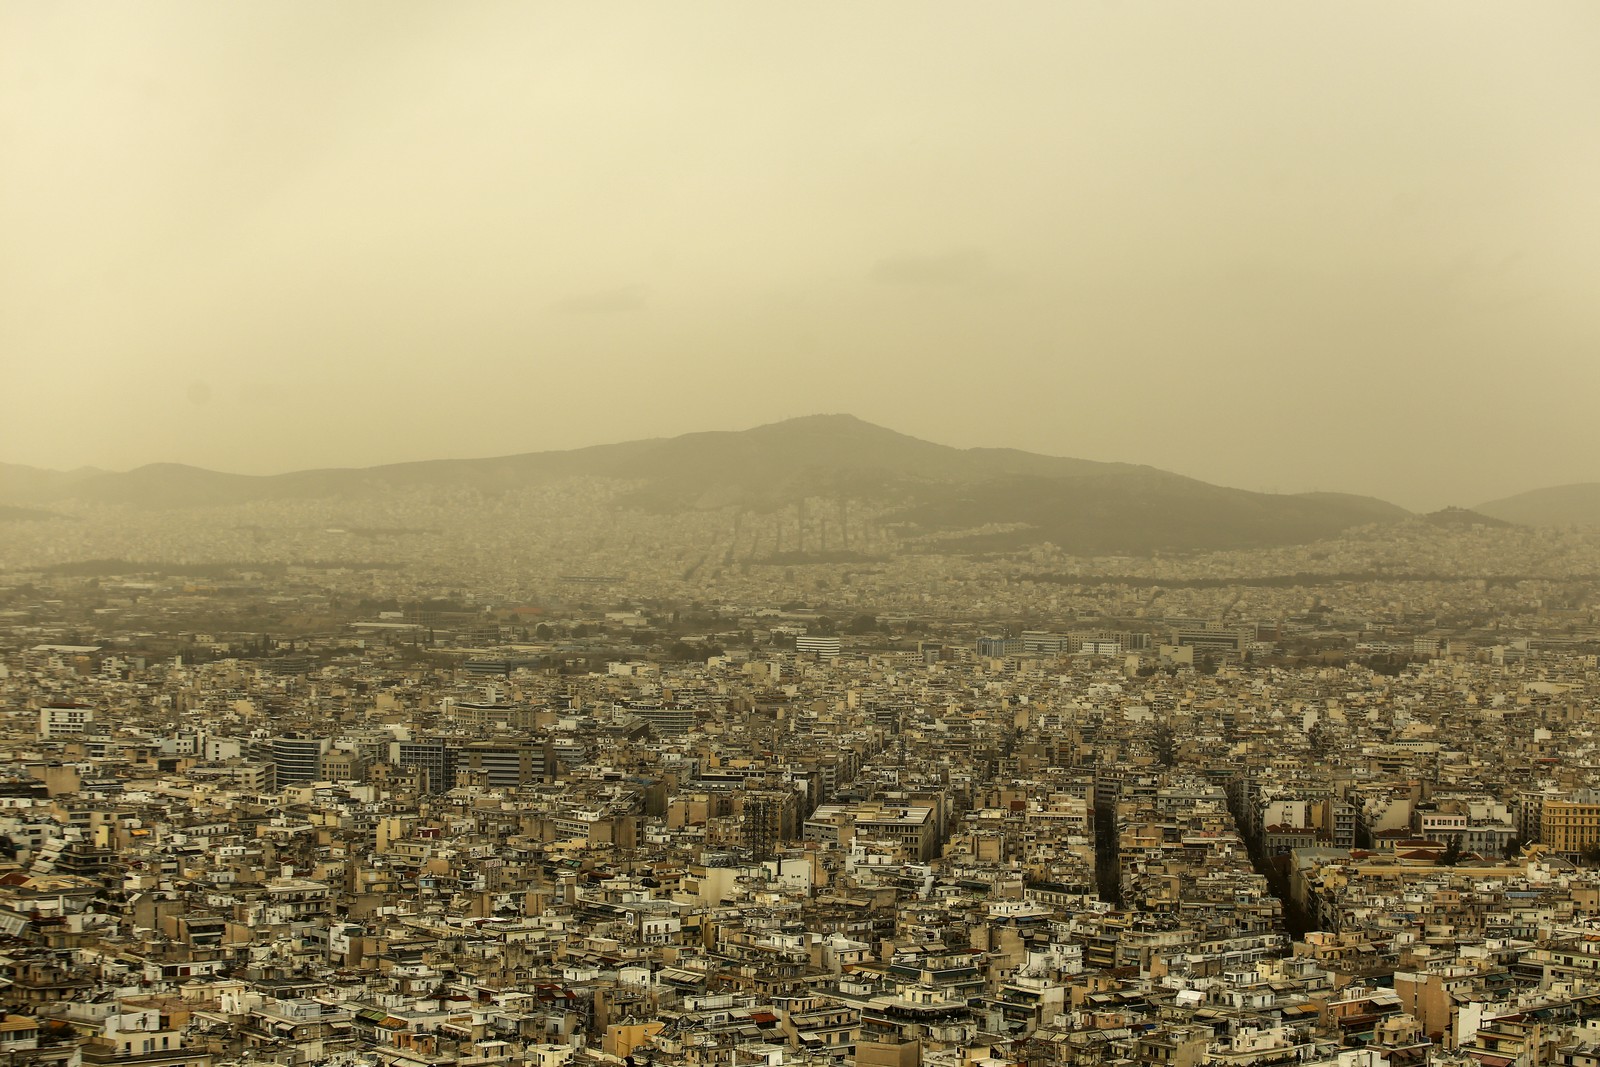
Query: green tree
point(1166, 748)
point(687, 652)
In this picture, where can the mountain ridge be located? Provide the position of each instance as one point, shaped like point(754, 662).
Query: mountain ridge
point(1573, 504)
point(1087, 505)
point(624, 459)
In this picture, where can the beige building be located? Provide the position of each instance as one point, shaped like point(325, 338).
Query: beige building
point(1570, 824)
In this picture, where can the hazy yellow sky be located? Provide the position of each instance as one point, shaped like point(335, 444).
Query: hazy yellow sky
point(1276, 245)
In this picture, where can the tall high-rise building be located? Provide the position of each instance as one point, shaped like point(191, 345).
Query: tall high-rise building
point(818, 645)
point(508, 764)
point(436, 757)
point(298, 759)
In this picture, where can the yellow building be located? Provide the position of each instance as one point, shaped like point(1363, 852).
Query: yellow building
point(1571, 823)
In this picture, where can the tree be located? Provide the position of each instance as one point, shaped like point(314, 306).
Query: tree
point(1451, 854)
point(1166, 749)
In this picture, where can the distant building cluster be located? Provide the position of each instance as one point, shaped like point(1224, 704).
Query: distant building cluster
point(266, 819)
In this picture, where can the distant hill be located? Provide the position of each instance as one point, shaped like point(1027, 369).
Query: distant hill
point(20, 484)
point(1559, 505)
point(12, 513)
point(1142, 510)
point(1459, 518)
point(1081, 505)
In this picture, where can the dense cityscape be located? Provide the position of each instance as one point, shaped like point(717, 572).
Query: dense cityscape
point(733, 534)
point(671, 792)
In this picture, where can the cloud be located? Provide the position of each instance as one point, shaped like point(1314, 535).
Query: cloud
point(619, 301)
point(959, 266)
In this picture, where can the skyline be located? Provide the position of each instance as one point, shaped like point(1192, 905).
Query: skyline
point(741, 431)
point(262, 238)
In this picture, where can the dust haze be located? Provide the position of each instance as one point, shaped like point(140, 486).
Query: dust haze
point(1346, 247)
